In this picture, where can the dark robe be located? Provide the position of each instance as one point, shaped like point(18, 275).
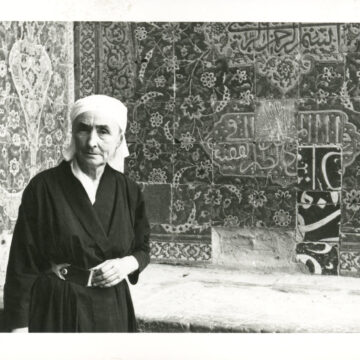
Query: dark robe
point(57, 223)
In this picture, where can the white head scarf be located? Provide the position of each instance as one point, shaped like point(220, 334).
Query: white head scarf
point(109, 107)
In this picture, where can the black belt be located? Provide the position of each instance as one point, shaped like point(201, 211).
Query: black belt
point(72, 273)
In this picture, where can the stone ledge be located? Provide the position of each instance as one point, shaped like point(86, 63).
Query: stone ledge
point(186, 299)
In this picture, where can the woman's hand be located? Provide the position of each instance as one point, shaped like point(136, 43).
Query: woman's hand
point(111, 272)
point(20, 330)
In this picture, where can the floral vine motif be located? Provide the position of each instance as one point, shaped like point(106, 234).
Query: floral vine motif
point(157, 176)
point(281, 72)
point(282, 218)
point(257, 198)
point(352, 200)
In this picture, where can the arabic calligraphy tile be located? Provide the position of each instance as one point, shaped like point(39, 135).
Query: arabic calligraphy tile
point(275, 159)
point(319, 198)
point(278, 39)
point(234, 41)
point(234, 122)
point(274, 207)
point(192, 163)
point(158, 203)
point(156, 63)
point(319, 167)
point(275, 120)
point(150, 162)
point(277, 77)
point(319, 40)
point(320, 127)
point(321, 258)
point(233, 159)
point(152, 120)
point(191, 210)
point(318, 222)
point(350, 214)
point(232, 205)
point(324, 80)
point(351, 32)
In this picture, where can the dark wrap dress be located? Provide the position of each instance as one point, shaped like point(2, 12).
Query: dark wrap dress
point(57, 223)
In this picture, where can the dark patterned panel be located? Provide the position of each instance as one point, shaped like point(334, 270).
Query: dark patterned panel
point(118, 61)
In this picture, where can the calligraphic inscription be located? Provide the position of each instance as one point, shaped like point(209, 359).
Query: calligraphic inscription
point(234, 127)
point(350, 254)
point(320, 127)
point(277, 76)
point(320, 258)
point(319, 167)
point(277, 40)
point(320, 40)
point(275, 120)
point(266, 159)
point(318, 216)
point(174, 251)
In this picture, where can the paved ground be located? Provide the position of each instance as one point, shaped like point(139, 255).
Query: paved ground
point(176, 298)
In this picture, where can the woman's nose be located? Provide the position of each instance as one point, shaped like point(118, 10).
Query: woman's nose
point(93, 139)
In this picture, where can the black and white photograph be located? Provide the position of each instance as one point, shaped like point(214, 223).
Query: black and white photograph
point(181, 176)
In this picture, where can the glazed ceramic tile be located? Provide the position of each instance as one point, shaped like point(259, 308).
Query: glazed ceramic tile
point(232, 205)
point(320, 127)
point(323, 80)
point(350, 220)
point(351, 175)
point(158, 203)
point(351, 37)
point(350, 254)
point(192, 164)
point(275, 120)
point(274, 207)
point(277, 77)
point(150, 121)
point(319, 257)
point(155, 61)
point(318, 220)
point(319, 168)
point(117, 59)
point(172, 251)
point(191, 210)
point(277, 39)
point(320, 40)
point(150, 162)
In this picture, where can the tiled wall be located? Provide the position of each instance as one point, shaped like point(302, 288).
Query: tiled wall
point(238, 125)
point(36, 88)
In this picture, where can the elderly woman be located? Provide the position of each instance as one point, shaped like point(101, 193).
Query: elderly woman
point(81, 231)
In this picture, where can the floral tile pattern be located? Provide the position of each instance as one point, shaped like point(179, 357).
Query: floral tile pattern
point(350, 219)
point(350, 254)
point(319, 167)
point(191, 210)
point(320, 258)
point(324, 80)
point(277, 77)
point(192, 164)
point(150, 121)
point(151, 162)
point(351, 37)
point(233, 205)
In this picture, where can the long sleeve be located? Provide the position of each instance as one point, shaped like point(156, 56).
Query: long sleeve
point(23, 263)
point(142, 236)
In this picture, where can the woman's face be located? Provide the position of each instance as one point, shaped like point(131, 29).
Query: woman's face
point(96, 138)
